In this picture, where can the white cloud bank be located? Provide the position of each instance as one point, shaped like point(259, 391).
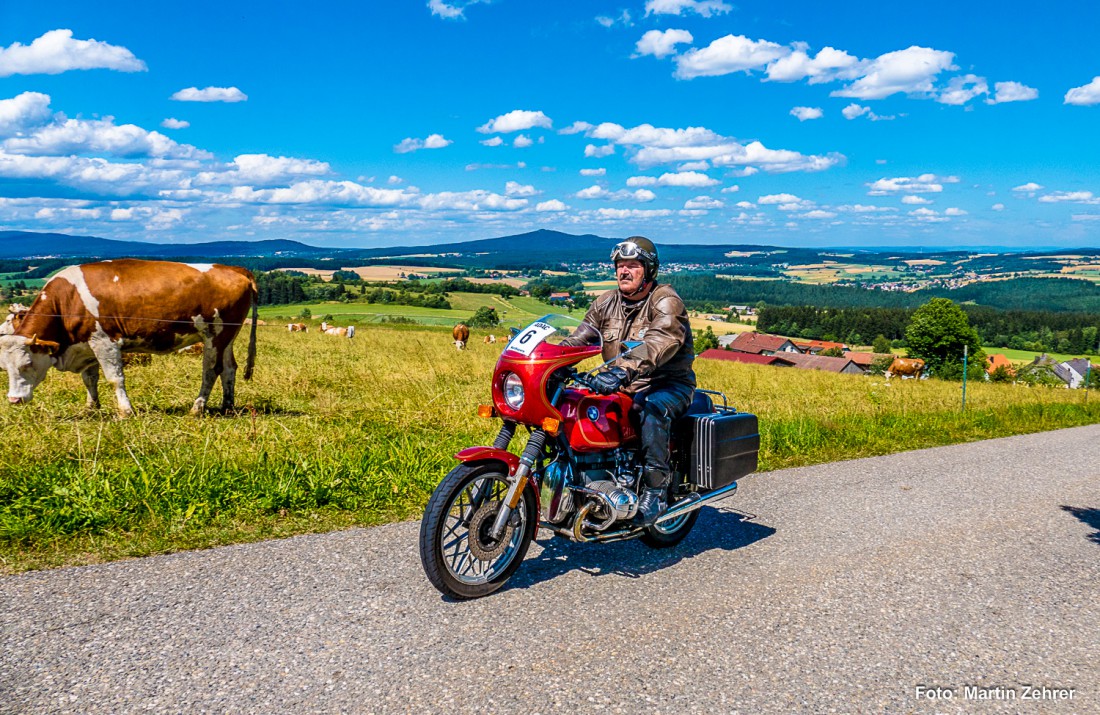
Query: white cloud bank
point(1086, 95)
point(804, 113)
point(433, 141)
point(56, 51)
point(515, 121)
point(661, 44)
point(706, 8)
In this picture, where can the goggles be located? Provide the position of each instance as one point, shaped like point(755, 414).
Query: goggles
point(628, 250)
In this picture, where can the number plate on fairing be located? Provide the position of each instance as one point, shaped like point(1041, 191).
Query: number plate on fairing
point(531, 337)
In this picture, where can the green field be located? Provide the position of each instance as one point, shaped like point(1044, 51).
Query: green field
point(333, 433)
point(1028, 356)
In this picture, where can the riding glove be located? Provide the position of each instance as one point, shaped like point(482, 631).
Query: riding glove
point(611, 380)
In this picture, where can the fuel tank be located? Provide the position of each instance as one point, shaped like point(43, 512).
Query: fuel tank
point(596, 422)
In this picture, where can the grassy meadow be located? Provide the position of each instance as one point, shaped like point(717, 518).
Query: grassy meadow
point(333, 433)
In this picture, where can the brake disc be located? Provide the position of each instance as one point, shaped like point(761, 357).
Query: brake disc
point(483, 546)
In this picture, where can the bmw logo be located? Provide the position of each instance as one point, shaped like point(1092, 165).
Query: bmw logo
point(593, 414)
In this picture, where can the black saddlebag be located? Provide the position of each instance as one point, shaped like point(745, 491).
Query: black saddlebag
point(724, 448)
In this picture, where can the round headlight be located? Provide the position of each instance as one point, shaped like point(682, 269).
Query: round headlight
point(513, 391)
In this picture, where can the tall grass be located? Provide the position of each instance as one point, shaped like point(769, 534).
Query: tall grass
point(335, 432)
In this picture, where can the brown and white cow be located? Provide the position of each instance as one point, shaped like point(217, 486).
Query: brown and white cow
point(88, 315)
point(906, 367)
point(461, 335)
point(297, 327)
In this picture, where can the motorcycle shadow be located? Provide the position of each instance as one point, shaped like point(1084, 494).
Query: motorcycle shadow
point(716, 529)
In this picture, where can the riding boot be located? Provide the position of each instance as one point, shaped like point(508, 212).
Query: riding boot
point(650, 506)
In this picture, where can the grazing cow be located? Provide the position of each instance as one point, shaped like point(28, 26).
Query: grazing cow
point(248, 321)
point(461, 335)
point(88, 315)
point(490, 339)
point(297, 327)
point(16, 312)
point(906, 367)
point(348, 332)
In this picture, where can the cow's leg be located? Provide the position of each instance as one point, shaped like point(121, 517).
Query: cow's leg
point(229, 377)
point(90, 376)
point(109, 355)
point(209, 363)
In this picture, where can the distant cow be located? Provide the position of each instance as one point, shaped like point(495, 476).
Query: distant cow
point(88, 315)
point(348, 332)
point(461, 335)
point(248, 321)
point(297, 327)
point(490, 339)
point(16, 313)
point(906, 367)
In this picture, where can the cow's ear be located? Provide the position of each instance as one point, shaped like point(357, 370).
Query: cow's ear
point(43, 346)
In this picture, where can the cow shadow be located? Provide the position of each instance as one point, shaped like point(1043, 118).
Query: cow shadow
point(1090, 517)
point(721, 529)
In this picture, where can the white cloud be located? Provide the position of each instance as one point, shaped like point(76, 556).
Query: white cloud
point(686, 178)
point(954, 212)
point(1012, 92)
point(772, 199)
point(515, 121)
point(23, 112)
point(593, 172)
point(173, 123)
point(1030, 187)
point(818, 214)
point(915, 200)
point(623, 19)
point(642, 181)
point(830, 64)
point(855, 110)
point(551, 205)
point(731, 53)
point(514, 188)
point(576, 128)
point(703, 202)
point(743, 172)
point(593, 192)
point(327, 193)
point(599, 192)
point(210, 94)
point(433, 141)
point(102, 136)
point(804, 113)
point(998, 207)
point(1085, 95)
point(492, 141)
point(643, 196)
point(522, 141)
point(961, 90)
point(706, 8)
point(923, 184)
point(394, 180)
point(693, 166)
point(865, 209)
point(731, 189)
point(745, 205)
point(95, 175)
point(452, 9)
point(661, 44)
point(912, 71)
point(598, 152)
point(632, 213)
point(56, 51)
point(264, 169)
point(1077, 197)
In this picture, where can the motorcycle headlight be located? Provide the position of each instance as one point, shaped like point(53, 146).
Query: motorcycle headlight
point(513, 391)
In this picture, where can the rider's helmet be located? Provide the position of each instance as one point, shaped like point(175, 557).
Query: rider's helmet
point(638, 248)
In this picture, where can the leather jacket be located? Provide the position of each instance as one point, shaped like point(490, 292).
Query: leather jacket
point(659, 320)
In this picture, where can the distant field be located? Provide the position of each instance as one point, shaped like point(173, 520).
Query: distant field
point(375, 273)
point(1022, 356)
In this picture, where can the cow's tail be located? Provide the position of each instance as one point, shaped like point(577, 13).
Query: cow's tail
point(252, 334)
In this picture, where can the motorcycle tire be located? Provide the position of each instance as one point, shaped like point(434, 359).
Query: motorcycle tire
point(667, 535)
point(458, 572)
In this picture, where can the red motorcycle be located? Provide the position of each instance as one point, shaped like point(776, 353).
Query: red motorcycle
point(580, 472)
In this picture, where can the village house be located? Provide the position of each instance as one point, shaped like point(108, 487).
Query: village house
point(759, 344)
point(842, 365)
point(997, 360)
point(747, 358)
point(1077, 370)
point(813, 347)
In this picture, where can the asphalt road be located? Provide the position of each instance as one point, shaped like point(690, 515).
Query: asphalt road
point(855, 587)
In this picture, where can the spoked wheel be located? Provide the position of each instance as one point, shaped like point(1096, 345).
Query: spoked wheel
point(460, 558)
point(669, 533)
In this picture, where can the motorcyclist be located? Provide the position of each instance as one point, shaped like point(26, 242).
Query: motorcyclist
point(658, 372)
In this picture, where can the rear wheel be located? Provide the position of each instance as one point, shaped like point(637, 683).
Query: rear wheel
point(669, 533)
point(459, 556)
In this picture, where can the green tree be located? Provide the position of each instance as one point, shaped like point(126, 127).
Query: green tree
point(881, 344)
point(705, 340)
point(485, 317)
point(1001, 374)
point(832, 352)
point(937, 333)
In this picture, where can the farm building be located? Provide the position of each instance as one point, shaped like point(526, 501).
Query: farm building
point(748, 358)
point(813, 347)
point(759, 344)
point(843, 365)
point(997, 360)
point(864, 360)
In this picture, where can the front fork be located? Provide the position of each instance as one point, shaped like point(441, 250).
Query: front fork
point(531, 453)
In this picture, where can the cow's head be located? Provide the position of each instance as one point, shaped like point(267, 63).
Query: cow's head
point(26, 360)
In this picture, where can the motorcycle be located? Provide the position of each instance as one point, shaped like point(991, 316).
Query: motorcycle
point(579, 474)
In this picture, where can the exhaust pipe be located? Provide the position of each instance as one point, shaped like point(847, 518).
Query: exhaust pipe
point(695, 501)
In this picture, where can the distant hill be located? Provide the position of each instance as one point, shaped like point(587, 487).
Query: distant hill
point(26, 244)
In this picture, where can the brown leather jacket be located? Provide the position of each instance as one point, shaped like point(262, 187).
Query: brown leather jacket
point(660, 321)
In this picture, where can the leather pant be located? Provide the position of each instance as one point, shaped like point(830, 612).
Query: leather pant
point(658, 406)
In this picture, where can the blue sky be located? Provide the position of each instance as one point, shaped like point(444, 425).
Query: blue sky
point(413, 122)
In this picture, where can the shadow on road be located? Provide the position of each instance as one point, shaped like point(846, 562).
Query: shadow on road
point(715, 529)
point(1090, 517)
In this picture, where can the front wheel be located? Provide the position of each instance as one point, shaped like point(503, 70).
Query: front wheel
point(459, 556)
point(669, 533)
